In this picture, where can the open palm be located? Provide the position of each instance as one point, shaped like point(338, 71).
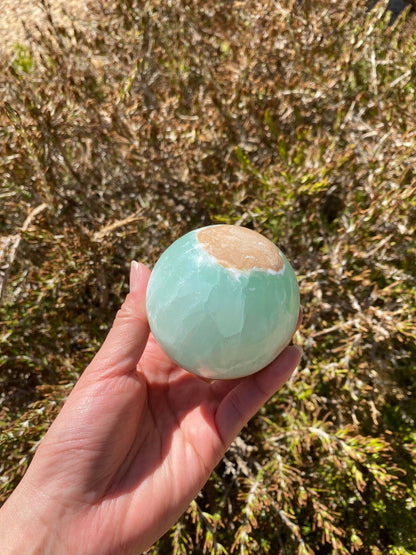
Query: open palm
point(137, 438)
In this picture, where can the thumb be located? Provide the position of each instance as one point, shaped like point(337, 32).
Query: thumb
point(125, 342)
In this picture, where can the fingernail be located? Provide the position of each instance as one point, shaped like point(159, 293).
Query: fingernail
point(207, 380)
point(134, 276)
point(299, 349)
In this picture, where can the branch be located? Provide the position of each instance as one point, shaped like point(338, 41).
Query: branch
point(15, 240)
point(98, 235)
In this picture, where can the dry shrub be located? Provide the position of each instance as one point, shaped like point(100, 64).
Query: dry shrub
point(298, 121)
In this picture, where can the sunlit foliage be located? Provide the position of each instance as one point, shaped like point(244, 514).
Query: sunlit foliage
point(122, 132)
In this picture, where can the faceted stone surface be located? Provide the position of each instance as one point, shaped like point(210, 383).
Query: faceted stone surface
point(217, 320)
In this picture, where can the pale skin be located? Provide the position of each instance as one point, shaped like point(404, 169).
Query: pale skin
point(136, 440)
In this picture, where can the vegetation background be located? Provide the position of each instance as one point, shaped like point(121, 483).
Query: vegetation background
point(124, 129)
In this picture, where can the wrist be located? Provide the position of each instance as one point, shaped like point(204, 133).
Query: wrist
point(25, 526)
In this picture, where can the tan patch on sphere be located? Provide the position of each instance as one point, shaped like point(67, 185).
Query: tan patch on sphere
point(240, 248)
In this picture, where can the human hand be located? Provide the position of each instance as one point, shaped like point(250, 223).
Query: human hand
point(134, 443)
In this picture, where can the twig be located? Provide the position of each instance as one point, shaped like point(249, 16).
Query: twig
point(98, 235)
point(15, 246)
point(334, 328)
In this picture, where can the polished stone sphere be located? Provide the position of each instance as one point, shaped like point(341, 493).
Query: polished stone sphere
point(222, 301)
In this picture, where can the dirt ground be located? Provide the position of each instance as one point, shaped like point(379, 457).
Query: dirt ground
point(14, 12)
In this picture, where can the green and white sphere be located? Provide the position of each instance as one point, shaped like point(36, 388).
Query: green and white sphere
point(222, 301)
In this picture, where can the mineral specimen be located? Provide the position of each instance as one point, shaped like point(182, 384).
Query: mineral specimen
point(222, 301)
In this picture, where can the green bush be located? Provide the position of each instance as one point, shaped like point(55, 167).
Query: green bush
point(124, 131)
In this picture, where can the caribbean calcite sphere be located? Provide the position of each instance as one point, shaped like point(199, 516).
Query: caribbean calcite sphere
point(222, 301)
